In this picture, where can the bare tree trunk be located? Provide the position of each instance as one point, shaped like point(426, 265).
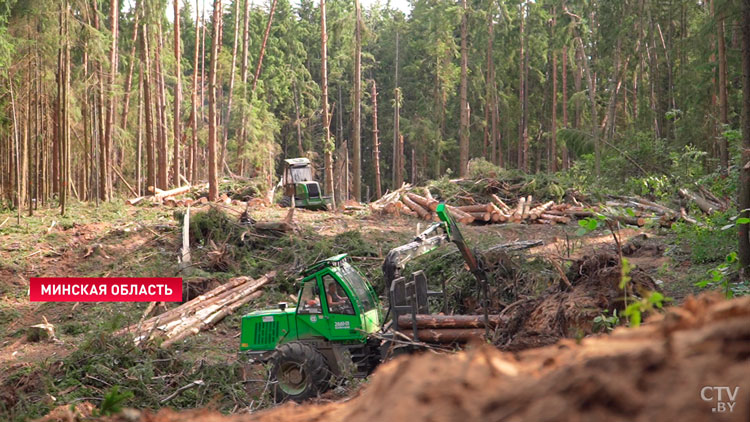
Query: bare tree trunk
point(553, 146)
point(193, 158)
point(521, 89)
point(396, 130)
point(723, 102)
point(109, 133)
point(592, 101)
point(227, 119)
point(129, 79)
point(146, 72)
point(163, 154)
point(565, 102)
point(203, 63)
point(463, 131)
point(177, 98)
point(213, 182)
point(744, 186)
point(243, 132)
point(297, 122)
point(327, 147)
point(375, 143)
point(263, 45)
point(356, 140)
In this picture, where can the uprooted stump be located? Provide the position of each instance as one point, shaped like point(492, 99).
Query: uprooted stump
point(569, 311)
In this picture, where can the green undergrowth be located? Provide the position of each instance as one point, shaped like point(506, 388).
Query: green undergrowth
point(256, 252)
point(143, 376)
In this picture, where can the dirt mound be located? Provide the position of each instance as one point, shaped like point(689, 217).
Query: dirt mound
point(630, 375)
point(591, 287)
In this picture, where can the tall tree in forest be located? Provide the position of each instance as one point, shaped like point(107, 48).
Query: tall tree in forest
point(193, 157)
point(262, 53)
point(213, 182)
point(553, 139)
point(356, 141)
point(147, 106)
point(396, 166)
point(243, 70)
point(228, 115)
point(106, 181)
point(327, 144)
point(523, 124)
point(723, 101)
point(177, 98)
point(463, 131)
point(744, 185)
point(375, 142)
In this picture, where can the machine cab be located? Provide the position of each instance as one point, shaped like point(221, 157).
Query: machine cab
point(335, 302)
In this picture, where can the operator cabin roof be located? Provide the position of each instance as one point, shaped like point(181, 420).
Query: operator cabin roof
point(297, 162)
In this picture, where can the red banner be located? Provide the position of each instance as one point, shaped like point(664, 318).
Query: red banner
point(105, 289)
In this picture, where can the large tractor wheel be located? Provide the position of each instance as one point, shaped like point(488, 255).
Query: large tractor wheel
point(300, 372)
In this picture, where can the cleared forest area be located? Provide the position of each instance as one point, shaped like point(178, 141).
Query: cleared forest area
point(569, 181)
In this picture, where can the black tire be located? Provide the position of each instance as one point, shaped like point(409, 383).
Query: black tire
point(299, 372)
point(285, 201)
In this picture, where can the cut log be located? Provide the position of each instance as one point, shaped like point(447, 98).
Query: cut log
point(462, 216)
point(555, 218)
point(447, 321)
point(502, 205)
point(200, 313)
point(421, 211)
point(476, 208)
point(702, 203)
point(429, 197)
point(448, 335)
point(159, 194)
point(540, 209)
point(526, 206)
point(518, 212)
point(626, 219)
point(481, 216)
point(423, 202)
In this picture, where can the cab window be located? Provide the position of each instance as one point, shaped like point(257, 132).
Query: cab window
point(310, 299)
point(338, 301)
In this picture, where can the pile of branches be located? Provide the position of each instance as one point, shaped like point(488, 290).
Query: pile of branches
point(200, 313)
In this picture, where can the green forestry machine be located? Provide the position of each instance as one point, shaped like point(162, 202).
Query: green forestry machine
point(299, 186)
point(339, 325)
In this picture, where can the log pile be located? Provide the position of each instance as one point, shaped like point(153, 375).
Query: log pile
point(404, 201)
point(446, 329)
point(635, 211)
point(200, 313)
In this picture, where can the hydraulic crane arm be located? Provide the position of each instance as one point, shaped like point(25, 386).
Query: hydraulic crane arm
point(396, 259)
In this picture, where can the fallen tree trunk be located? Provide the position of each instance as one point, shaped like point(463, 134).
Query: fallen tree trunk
point(447, 321)
point(702, 203)
point(499, 202)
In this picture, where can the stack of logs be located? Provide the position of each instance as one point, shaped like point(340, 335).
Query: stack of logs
point(497, 211)
point(635, 211)
point(445, 329)
point(200, 313)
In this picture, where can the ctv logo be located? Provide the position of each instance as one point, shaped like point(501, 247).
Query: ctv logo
point(725, 398)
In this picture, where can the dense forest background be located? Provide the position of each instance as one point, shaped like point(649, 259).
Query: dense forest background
point(102, 98)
